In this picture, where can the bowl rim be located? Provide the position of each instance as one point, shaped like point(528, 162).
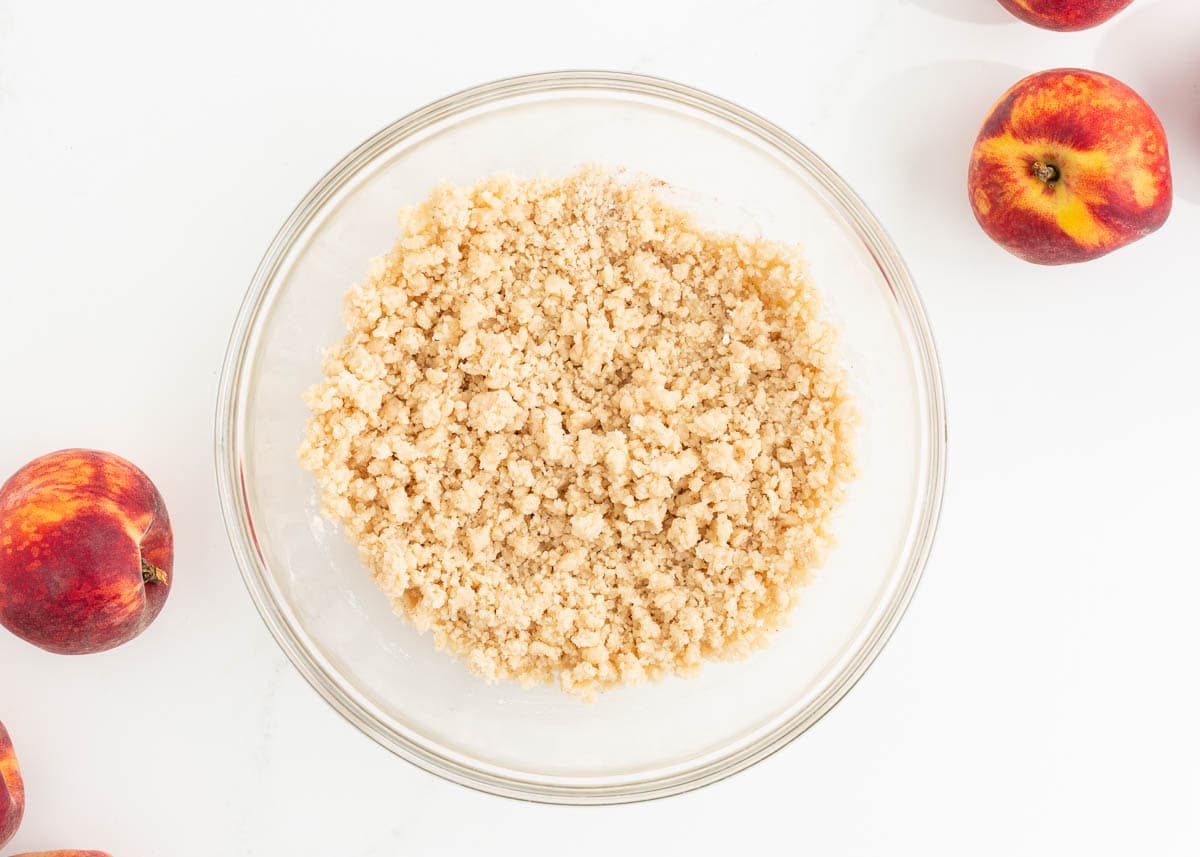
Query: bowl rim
point(357, 709)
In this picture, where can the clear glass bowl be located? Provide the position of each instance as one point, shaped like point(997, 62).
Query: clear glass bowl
point(737, 172)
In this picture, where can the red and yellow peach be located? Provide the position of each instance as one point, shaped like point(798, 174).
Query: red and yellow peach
point(12, 789)
point(1065, 15)
point(1069, 166)
point(86, 552)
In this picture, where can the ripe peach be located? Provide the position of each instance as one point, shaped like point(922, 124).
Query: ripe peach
point(1070, 165)
point(86, 551)
point(1065, 15)
point(12, 790)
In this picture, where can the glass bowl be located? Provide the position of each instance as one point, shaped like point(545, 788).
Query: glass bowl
point(736, 171)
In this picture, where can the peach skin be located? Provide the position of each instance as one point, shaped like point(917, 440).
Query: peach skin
point(86, 552)
point(1065, 15)
point(1069, 166)
point(12, 790)
point(70, 852)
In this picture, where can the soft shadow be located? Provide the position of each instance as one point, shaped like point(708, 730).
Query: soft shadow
point(975, 11)
point(925, 121)
point(1153, 48)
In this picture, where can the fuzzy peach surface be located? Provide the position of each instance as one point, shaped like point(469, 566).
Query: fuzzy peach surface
point(12, 789)
point(1065, 15)
point(579, 438)
point(1106, 143)
point(75, 526)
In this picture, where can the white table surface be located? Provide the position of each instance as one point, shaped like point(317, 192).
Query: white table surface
point(1041, 696)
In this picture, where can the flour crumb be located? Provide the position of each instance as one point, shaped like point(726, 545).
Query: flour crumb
point(580, 439)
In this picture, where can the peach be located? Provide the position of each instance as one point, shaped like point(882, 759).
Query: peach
point(12, 790)
point(1070, 165)
point(86, 552)
point(1065, 15)
point(70, 852)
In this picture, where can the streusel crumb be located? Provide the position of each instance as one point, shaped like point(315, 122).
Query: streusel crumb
point(579, 438)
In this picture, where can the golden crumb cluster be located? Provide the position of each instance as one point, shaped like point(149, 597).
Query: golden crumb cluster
point(579, 438)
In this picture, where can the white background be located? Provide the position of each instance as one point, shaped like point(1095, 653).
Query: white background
point(1041, 696)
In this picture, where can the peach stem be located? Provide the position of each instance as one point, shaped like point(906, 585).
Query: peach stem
point(1048, 173)
point(152, 573)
